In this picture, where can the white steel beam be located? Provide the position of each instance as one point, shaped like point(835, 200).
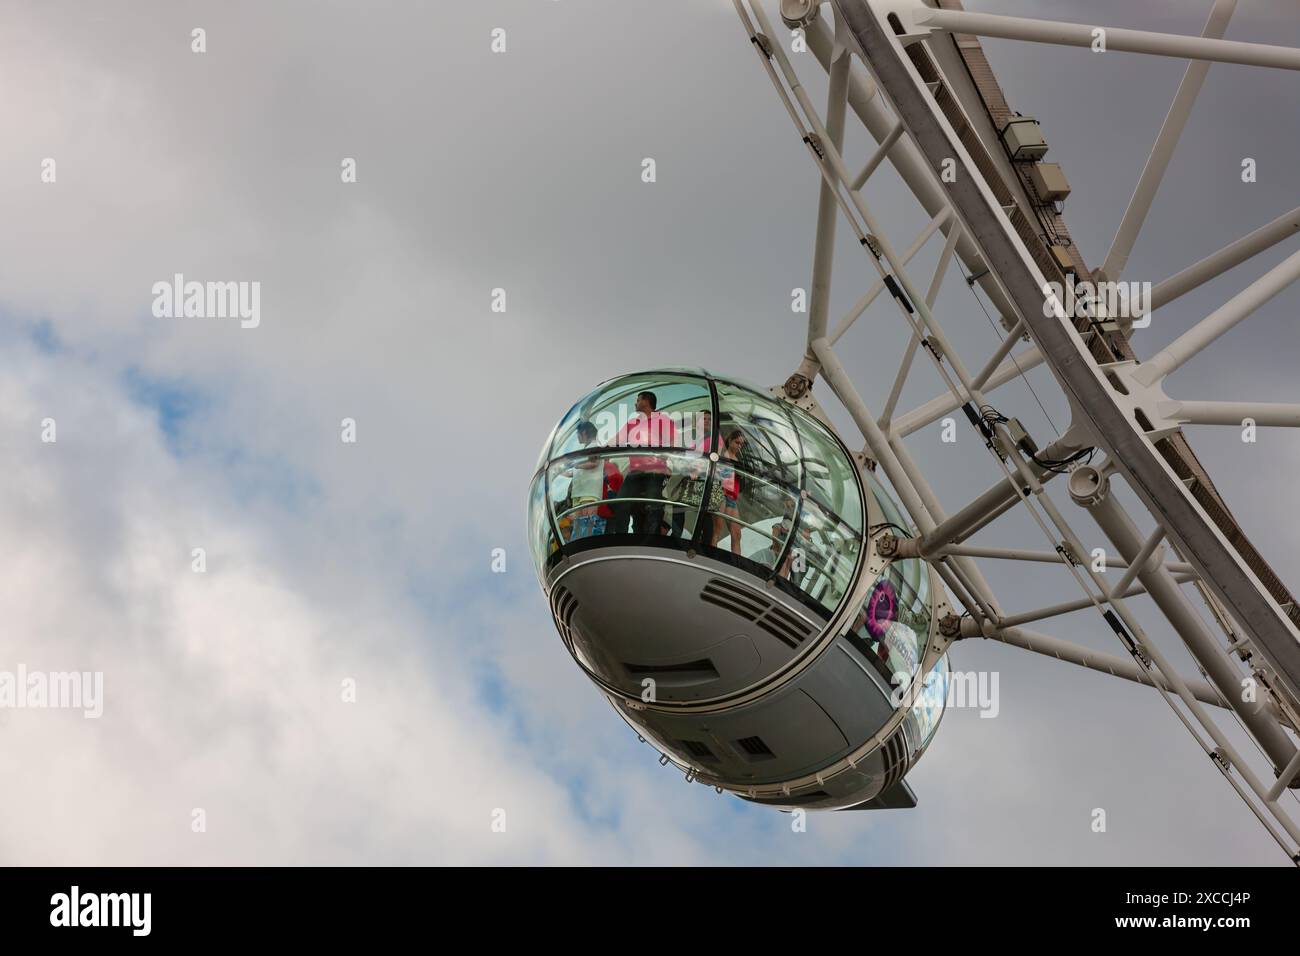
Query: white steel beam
point(1163, 150)
point(1078, 604)
point(1231, 413)
point(914, 341)
point(984, 508)
point(941, 405)
point(870, 295)
point(1002, 352)
point(1071, 653)
point(1116, 524)
point(1040, 557)
point(1292, 769)
point(1115, 38)
point(878, 156)
point(827, 211)
point(1230, 256)
point(1153, 480)
point(1222, 319)
point(906, 159)
point(1138, 563)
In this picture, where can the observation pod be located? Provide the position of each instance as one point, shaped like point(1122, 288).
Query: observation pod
point(708, 553)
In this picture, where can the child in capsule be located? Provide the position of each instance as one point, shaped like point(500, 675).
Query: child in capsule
point(591, 480)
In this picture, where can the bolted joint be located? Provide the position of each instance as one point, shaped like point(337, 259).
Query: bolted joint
point(797, 386)
point(950, 626)
point(887, 545)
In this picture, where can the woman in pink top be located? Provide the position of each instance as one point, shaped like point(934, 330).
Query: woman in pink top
point(729, 480)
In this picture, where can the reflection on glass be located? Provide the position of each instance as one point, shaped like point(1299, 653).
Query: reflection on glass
point(828, 475)
point(930, 701)
point(761, 513)
point(894, 620)
point(893, 513)
point(828, 550)
point(637, 411)
point(590, 495)
point(750, 478)
point(772, 447)
point(540, 538)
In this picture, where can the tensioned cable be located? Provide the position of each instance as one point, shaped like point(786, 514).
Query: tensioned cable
point(970, 284)
point(1200, 610)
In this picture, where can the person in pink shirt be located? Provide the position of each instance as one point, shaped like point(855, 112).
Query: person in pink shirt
point(644, 480)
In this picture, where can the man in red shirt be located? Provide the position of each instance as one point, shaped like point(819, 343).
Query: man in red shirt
point(644, 480)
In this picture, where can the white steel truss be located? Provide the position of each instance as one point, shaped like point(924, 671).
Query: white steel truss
point(886, 65)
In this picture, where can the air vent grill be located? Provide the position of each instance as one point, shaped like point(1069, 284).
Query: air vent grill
point(689, 672)
point(736, 599)
point(784, 626)
point(753, 748)
point(787, 628)
point(895, 757)
point(563, 606)
point(698, 750)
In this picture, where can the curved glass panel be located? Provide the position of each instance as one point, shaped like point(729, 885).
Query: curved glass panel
point(541, 541)
point(894, 514)
point(928, 708)
point(828, 475)
point(894, 620)
point(719, 466)
point(749, 515)
point(772, 444)
point(613, 415)
point(545, 454)
point(601, 493)
point(827, 549)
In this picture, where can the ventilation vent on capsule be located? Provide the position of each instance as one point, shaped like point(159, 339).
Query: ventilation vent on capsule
point(563, 606)
point(698, 750)
point(784, 626)
point(736, 599)
point(787, 628)
point(753, 748)
point(674, 675)
point(895, 757)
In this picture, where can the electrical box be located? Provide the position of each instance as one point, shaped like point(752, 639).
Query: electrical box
point(1049, 182)
point(1062, 256)
point(1024, 138)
